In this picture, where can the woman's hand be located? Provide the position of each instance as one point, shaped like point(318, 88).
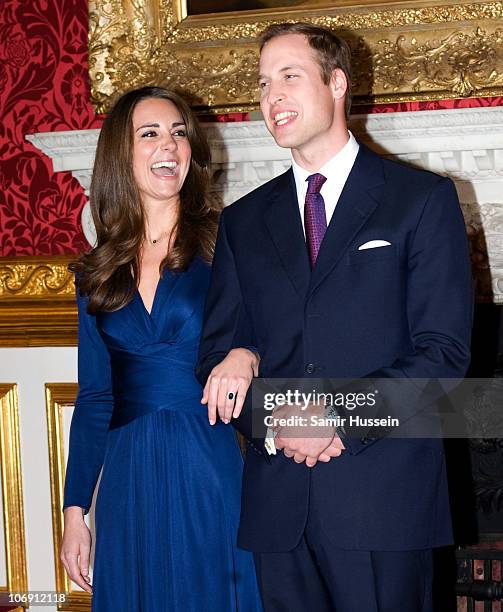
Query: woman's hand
point(76, 547)
point(227, 384)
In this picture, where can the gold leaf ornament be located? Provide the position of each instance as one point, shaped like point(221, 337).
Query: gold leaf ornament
point(32, 280)
point(463, 63)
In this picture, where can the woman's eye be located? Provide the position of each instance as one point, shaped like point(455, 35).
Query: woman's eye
point(149, 134)
point(180, 133)
point(262, 85)
point(290, 76)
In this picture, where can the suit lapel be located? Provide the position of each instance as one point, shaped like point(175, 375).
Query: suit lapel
point(284, 224)
point(357, 202)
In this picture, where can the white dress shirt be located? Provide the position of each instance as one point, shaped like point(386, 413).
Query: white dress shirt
point(336, 170)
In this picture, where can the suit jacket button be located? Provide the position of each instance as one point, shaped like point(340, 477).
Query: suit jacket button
point(310, 368)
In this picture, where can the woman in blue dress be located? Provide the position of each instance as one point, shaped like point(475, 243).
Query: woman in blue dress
point(167, 507)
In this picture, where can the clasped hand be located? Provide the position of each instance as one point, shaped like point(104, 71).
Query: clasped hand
point(225, 393)
point(304, 441)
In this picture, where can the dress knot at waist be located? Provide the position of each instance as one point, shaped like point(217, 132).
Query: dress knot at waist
point(143, 385)
point(125, 412)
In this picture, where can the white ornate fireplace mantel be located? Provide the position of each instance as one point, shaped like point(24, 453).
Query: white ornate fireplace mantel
point(465, 144)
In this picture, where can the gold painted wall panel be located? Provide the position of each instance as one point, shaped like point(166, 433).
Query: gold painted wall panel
point(61, 397)
point(11, 487)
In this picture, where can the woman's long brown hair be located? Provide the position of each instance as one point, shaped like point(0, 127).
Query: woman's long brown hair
point(108, 275)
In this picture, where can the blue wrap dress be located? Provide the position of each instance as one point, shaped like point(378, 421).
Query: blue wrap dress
point(167, 507)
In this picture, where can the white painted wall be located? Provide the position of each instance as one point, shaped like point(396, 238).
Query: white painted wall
point(31, 369)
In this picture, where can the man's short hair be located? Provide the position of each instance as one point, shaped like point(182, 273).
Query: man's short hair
point(332, 51)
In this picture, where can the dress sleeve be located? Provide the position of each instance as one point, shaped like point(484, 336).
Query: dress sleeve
point(92, 413)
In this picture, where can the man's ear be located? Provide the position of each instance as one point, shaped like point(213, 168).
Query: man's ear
point(338, 84)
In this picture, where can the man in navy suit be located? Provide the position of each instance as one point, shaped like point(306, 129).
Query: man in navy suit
point(348, 265)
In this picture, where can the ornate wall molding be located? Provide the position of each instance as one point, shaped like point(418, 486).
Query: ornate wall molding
point(37, 302)
point(27, 277)
point(476, 132)
point(465, 144)
point(400, 52)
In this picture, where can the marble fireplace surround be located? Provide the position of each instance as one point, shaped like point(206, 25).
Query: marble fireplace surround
point(465, 144)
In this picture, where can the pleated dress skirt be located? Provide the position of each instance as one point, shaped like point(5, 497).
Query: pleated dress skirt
point(167, 514)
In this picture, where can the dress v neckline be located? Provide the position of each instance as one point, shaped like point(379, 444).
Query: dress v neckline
point(149, 313)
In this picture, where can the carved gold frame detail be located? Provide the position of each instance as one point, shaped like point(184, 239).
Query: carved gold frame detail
point(11, 488)
point(402, 51)
point(37, 302)
point(59, 397)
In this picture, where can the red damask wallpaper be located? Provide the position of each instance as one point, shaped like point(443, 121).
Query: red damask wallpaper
point(44, 87)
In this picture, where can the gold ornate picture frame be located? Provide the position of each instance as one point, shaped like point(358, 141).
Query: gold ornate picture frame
point(59, 398)
point(11, 488)
point(402, 51)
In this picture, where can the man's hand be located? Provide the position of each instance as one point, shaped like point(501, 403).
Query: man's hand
point(76, 547)
point(334, 450)
point(232, 375)
point(305, 441)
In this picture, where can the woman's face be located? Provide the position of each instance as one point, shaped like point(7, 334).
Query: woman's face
point(161, 151)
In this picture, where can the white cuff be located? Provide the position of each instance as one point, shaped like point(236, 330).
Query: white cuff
point(270, 447)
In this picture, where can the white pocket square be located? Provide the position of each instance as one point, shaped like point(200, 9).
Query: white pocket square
point(372, 244)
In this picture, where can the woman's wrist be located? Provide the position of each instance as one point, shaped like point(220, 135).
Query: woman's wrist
point(249, 354)
point(74, 512)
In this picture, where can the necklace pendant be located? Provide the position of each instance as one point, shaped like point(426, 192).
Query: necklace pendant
point(154, 241)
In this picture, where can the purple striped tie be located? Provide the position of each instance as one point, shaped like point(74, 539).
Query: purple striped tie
point(315, 218)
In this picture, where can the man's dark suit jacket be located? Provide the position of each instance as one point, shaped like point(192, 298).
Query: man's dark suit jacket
point(403, 310)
